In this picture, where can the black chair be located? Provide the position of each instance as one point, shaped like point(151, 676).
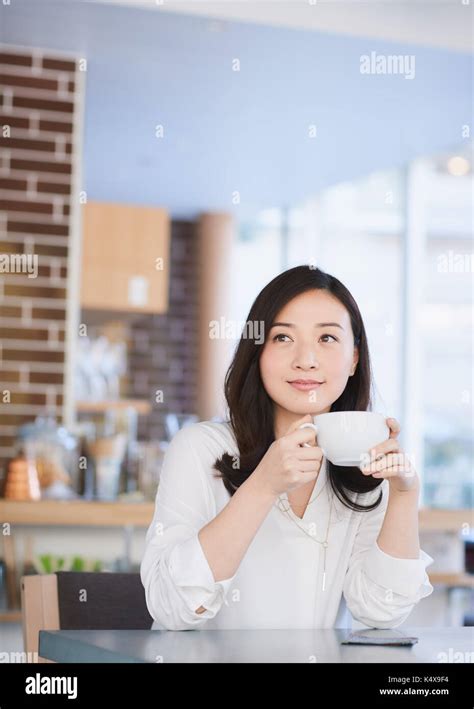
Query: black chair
point(70, 600)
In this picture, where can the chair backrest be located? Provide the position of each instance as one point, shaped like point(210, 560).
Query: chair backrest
point(39, 609)
point(72, 600)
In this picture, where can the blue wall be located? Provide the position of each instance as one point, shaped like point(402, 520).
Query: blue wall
point(247, 130)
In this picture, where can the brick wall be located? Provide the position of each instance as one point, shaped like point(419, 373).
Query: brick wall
point(38, 118)
point(163, 353)
point(39, 104)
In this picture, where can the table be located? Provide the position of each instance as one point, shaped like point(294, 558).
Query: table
point(211, 646)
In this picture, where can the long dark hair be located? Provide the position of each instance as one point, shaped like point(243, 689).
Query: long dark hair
point(251, 409)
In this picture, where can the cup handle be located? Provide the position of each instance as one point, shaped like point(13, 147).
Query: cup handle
point(309, 425)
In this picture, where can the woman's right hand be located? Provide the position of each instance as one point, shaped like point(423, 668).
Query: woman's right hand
point(287, 464)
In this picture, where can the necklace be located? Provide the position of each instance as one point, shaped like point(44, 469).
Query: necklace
point(286, 511)
point(313, 500)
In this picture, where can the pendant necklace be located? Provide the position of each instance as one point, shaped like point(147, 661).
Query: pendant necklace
point(286, 511)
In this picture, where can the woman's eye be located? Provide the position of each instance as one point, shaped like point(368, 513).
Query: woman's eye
point(277, 337)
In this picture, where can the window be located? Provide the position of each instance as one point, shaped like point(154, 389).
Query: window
point(400, 240)
point(354, 231)
point(447, 333)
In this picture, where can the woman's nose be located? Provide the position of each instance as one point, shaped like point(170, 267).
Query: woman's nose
point(307, 359)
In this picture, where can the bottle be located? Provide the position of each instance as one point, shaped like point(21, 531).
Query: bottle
point(22, 481)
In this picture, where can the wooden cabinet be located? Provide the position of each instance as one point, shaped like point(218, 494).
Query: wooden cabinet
point(125, 257)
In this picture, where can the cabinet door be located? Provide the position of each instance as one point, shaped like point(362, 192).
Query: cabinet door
point(125, 258)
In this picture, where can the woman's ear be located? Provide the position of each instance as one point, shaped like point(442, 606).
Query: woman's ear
point(355, 362)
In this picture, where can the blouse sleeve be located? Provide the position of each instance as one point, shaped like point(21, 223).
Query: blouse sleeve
point(175, 572)
point(381, 590)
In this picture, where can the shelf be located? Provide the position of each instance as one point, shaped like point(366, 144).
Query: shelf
point(437, 520)
point(82, 513)
point(13, 616)
point(77, 513)
point(141, 406)
point(459, 580)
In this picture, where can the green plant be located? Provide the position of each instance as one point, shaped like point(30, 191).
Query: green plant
point(50, 564)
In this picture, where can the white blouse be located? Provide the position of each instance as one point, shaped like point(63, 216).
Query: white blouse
point(279, 583)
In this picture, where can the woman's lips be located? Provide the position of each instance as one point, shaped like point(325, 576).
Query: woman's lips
point(306, 386)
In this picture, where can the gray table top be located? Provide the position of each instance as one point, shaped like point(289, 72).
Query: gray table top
point(155, 646)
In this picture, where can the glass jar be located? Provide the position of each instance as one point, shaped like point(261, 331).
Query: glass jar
point(54, 451)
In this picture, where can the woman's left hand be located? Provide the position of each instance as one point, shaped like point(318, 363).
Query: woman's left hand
point(387, 460)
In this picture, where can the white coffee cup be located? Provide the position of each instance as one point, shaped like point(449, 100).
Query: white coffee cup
point(347, 437)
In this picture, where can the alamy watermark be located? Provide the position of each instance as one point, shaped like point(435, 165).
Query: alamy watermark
point(42, 684)
point(452, 655)
point(394, 64)
point(18, 657)
point(19, 263)
point(224, 329)
point(452, 262)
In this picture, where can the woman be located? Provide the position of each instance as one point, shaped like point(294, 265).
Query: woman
point(279, 537)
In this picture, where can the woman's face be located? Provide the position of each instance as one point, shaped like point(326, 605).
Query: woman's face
point(314, 340)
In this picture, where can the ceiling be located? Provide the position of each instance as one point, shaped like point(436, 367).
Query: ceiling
point(239, 140)
point(430, 23)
